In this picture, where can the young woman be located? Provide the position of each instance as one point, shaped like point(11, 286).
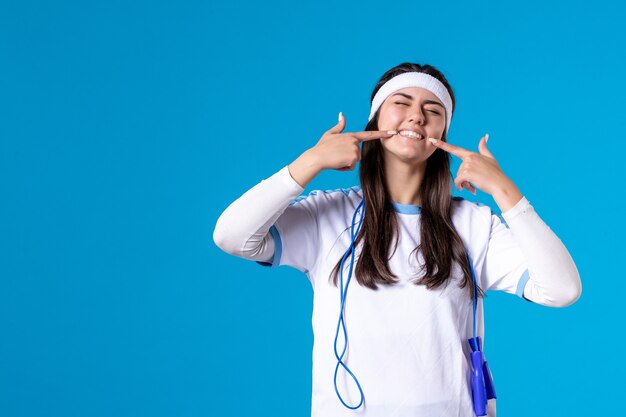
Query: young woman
point(406, 342)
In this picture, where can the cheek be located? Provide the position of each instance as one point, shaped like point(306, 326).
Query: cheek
point(394, 114)
point(390, 115)
point(390, 121)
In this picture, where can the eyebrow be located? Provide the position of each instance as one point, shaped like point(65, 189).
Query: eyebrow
point(425, 101)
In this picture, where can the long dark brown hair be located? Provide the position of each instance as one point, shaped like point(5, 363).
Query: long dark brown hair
point(440, 243)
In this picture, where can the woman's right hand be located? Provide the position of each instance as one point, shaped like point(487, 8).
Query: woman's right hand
point(341, 151)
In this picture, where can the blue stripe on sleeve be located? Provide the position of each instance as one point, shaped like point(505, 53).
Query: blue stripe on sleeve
point(278, 249)
point(521, 284)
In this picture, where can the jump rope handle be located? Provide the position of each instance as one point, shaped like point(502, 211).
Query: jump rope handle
point(491, 389)
point(482, 382)
point(479, 391)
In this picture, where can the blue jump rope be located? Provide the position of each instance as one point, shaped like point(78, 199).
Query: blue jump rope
point(482, 382)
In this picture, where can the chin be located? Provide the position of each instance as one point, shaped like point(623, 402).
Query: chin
point(411, 158)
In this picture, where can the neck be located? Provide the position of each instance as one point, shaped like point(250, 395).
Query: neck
point(404, 181)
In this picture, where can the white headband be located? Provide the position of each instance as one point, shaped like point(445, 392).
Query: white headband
point(414, 79)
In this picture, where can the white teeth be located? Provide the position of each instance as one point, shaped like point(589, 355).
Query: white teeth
point(410, 134)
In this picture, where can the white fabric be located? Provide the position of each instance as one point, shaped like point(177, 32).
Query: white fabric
point(242, 228)
point(414, 79)
point(407, 345)
point(554, 278)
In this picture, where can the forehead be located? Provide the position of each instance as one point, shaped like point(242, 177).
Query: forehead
point(417, 93)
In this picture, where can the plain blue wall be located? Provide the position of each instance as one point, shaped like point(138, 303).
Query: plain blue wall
point(126, 129)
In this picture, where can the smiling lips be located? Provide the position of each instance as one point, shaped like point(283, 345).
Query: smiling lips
point(410, 134)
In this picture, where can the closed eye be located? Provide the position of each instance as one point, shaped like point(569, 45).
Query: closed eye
point(404, 104)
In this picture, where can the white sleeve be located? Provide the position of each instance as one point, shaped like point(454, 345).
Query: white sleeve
point(553, 279)
point(270, 225)
point(505, 267)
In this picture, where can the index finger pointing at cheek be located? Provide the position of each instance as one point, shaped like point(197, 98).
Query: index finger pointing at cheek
point(453, 149)
point(373, 134)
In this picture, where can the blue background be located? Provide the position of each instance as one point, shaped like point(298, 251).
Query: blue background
point(128, 127)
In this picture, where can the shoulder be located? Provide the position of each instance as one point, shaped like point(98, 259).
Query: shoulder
point(473, 221)
point(331, 199)
point(471, 211)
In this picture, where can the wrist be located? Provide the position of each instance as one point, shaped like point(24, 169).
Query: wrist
point(311, 160)
point(507, 195)
point(305, 168)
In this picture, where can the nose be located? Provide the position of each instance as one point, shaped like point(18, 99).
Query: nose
point(418, 116)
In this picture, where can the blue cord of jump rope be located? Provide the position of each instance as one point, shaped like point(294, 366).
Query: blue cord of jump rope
point(343, 294)
point(475, 295)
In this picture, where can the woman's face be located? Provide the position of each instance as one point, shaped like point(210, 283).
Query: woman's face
point(411, 108)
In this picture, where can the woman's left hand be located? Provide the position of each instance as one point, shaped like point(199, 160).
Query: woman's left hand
point(477, 169)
